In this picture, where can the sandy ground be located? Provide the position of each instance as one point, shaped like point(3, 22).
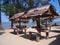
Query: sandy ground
point(9, 38)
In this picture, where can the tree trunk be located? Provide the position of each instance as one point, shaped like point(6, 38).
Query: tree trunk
point(0, 22)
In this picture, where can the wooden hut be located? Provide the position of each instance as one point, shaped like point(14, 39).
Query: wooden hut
point(46, 12)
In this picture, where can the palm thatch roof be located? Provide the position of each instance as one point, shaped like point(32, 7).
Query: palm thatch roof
point(36, 11)
point(44, 11)
point(17, 15)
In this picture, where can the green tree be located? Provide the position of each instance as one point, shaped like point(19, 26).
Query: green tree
point(10, 7)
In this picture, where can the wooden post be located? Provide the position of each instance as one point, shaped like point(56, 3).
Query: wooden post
point(30, 35)
point(47, 33)
point(38, 29)
point(37, 37)
point(25, 32)
point(46, 23)
point(19, 22)
point(51, 21)
point(38, 22)
point(11, 24)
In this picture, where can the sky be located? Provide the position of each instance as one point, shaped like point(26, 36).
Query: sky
point(4, 17)
point(53, 2)
point(56, 5)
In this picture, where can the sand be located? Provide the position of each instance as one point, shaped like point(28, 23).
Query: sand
point(8, 38)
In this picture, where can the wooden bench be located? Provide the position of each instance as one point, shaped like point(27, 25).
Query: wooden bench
point(20, 29)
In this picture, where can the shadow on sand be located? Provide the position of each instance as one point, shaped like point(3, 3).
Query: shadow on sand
point(56, 31)
point(1, 33)
point(57, 41)
point(20, 32)
point(32, 37)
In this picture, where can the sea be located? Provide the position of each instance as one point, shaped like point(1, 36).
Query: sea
point(7, 25)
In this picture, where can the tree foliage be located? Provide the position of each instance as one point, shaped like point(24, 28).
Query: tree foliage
point(10, 7)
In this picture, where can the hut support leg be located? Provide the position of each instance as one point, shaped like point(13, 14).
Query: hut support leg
point(38, 22)
point(30, 35)
point(38, 26)
point(17, 32)
point(12, 24)
point(22, 30)
point(47, 34)
point(37, 37)
point(40, 35)
point(47, 31)
point(25, 33)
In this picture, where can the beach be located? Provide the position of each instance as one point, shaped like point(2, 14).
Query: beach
point(30, 22)
point(8, 38)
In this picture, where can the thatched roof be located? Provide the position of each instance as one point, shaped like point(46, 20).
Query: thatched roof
point(37, 11)
point(44, 11)
point(17, 15)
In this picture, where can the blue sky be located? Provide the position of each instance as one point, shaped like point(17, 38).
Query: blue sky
point(4, 17)
point(56, 5)
point(53, 2)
